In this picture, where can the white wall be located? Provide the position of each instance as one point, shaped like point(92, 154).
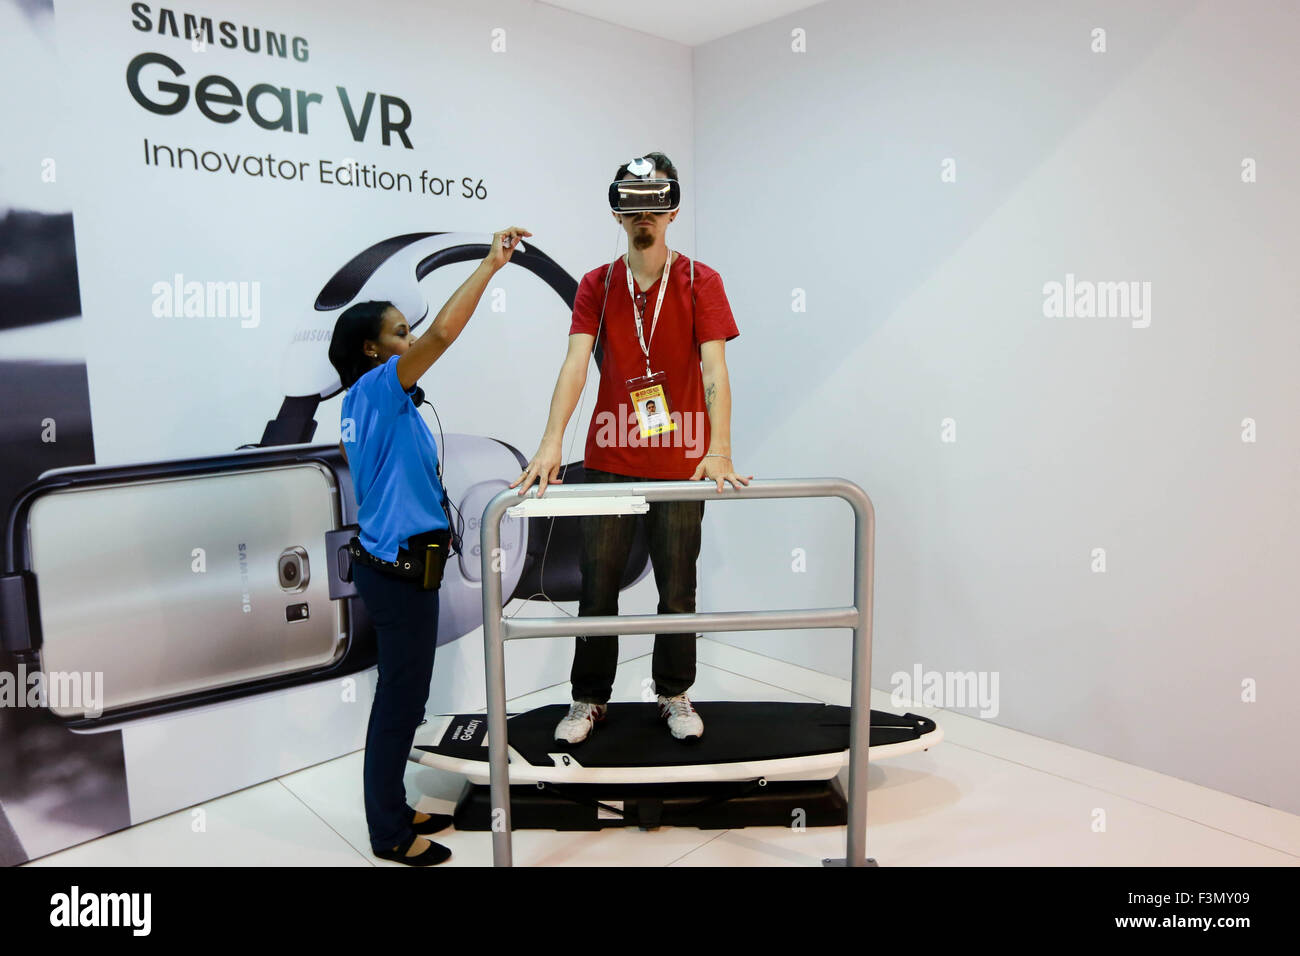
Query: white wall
point(925, 302)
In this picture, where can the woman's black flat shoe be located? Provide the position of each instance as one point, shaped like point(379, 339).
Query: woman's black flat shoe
point(436, 853)
point(436, 823)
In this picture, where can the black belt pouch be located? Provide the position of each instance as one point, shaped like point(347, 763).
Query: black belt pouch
point(431, 549)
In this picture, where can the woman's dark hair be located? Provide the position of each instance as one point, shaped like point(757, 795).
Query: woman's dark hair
point(662, 164)
point(362, 321)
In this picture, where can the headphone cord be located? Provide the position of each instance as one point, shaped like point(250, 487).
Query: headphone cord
point(459, 531)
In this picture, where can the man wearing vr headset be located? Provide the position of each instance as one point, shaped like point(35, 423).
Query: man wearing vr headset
point(659, 323)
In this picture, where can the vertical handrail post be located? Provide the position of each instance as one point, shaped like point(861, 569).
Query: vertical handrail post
point(494, 665)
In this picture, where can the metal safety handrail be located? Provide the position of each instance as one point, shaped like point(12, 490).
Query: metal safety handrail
point(497, 629)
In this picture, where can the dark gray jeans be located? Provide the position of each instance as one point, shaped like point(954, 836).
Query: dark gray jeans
point(673, 533)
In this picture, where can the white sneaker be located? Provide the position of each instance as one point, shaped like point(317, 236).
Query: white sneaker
point(578, 723)
point(683, 721)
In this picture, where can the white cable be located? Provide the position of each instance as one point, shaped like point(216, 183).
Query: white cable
point(550, 529)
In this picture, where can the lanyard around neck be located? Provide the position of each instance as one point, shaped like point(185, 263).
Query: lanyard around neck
point(631, 291)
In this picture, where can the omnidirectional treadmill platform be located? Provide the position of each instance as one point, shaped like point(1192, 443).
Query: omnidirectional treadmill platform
point(759, 763)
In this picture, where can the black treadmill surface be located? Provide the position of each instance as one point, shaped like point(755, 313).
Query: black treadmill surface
point(634, 735)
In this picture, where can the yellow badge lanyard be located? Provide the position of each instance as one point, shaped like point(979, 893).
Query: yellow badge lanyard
point(631, 291)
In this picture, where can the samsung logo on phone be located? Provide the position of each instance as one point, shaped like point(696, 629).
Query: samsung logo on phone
point(102, 909)
point(243, 576)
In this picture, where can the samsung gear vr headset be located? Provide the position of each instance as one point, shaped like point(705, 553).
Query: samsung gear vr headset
point(644, 194)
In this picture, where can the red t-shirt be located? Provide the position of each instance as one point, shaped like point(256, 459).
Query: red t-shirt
point(613, 440)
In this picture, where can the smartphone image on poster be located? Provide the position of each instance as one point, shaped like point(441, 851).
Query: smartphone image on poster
point(181, 585)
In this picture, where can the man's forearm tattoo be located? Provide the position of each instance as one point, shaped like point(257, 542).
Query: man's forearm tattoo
point(709, 394)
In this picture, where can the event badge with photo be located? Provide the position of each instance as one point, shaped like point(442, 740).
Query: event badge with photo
point(650, 399)
point(650, 391)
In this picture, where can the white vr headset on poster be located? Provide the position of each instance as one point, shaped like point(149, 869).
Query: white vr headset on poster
point(475, 468)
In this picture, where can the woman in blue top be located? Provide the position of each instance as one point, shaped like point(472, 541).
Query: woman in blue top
point(394, 463)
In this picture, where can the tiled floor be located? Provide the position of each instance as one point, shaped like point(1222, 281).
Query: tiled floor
point(985, 796)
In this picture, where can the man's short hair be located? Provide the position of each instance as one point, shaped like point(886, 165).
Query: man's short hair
point(662, 164)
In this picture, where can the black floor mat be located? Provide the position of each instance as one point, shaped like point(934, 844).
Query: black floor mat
point(633, 734)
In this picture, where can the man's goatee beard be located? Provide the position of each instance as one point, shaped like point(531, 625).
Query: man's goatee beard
point(642, 241)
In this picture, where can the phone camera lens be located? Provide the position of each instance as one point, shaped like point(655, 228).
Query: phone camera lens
point(293, 569)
